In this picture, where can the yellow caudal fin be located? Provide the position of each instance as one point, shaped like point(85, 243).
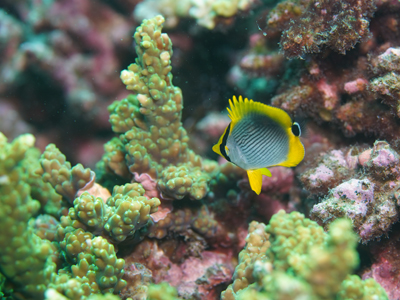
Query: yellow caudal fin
point(255, 178)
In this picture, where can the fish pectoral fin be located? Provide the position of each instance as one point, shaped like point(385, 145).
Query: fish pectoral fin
point(255, 179)
point(266, 172)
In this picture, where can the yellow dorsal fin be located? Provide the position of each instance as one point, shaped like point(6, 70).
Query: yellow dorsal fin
point(242, 107)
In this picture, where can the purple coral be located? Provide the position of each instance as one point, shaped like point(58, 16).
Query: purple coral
point(367, 199)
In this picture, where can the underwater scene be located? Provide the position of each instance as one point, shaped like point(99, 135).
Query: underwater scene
point(200, 149)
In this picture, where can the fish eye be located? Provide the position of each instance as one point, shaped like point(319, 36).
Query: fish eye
point(296, 129)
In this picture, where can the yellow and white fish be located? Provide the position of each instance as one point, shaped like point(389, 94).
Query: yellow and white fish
point(259, 136)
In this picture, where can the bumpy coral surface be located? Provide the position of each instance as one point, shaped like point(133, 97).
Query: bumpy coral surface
point(293, 258)
point(337, 24)
point(362, 186)
point(25, 259)
point(29, 261)
point(153, 140)
point(122, 230)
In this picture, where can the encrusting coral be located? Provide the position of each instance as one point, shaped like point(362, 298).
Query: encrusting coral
point(293, 258)
point(152, 139)
point(362, 185)
point(307, 26)
point(353, 88)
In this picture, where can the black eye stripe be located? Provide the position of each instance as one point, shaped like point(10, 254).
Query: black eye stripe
point(223, 143)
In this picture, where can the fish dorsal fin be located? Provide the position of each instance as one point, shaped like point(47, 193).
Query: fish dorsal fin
point(255, 178)
point(240, 108)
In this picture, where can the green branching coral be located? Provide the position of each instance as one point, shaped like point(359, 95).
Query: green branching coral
point(78, 263)
point(130, 211)
point(121, 217)
point(293, 258)
point(356, 289)
point(25, 259)
point(89, 212)
point(65, 179)
point(94, 265)
point(162, 291)
point(52, 294)
point(152, 139)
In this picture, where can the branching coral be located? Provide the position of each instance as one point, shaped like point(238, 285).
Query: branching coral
point(29, 261)
point(58, 172)
point(93, 241)
point(130, 211)
point(94, 266)
point(121, 217)
point(153, 140)
point(293, 258)
point(25, 259)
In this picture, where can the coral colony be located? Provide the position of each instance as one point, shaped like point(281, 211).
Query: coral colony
point(109, 188)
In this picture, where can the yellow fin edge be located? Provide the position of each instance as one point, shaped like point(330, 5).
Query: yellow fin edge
point(296, 151)
point(255, 178)
point(242, 107)
point(216, 147)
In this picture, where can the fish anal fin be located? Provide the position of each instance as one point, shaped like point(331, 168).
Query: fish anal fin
point(255, 179)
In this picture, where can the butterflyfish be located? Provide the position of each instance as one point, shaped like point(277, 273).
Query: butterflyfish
point(259, 136)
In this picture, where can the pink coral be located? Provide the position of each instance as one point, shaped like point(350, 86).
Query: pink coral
point(148, 183)
point(355, 86)
point(385, 268)
point(163, 211)
point(329, 94)
point(213, 125)
point(364, 196)
point(194, 277)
